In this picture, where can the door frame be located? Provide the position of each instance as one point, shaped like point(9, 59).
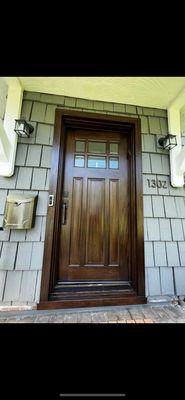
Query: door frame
point(65, 119)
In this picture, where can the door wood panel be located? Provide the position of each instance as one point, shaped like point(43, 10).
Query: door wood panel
point(114, 227)
point(76, 218)
point(94, 239)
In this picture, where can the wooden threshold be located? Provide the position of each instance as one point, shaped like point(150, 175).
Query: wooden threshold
point(78, 303)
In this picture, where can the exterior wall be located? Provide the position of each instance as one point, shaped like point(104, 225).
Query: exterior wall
point(3, 97)
point(182, 120)
point(21, 252)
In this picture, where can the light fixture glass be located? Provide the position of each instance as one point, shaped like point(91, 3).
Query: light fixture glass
point(168, 142)
point(22, 128)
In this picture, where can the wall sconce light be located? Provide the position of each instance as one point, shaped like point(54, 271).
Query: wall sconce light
point(168, 142)
point(22, 128)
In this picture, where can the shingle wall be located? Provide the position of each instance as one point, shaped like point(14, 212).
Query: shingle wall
point(21, 252)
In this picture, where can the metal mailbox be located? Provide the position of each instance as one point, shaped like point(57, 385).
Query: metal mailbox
point(20, 211)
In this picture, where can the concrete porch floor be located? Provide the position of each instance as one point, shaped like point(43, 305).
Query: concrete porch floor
point(157, 313)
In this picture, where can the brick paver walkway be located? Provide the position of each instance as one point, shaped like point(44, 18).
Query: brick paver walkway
point(141, 314)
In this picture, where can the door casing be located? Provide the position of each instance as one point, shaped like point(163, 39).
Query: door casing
point(65, 119)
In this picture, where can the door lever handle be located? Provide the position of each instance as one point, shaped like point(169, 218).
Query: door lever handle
point(64, 213)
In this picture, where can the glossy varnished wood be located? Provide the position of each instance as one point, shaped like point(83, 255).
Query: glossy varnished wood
point(94, 239)
point(53, 213)
point(65, 120)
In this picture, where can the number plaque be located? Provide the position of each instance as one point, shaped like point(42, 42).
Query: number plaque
point(157, 183)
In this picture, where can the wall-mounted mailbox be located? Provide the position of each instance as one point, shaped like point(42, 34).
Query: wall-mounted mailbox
point(19, 211)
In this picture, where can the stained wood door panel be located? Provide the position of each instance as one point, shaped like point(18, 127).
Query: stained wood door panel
point(76, 218)
point(114, 228)
point(94, 239)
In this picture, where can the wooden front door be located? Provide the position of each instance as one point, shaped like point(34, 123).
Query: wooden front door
point(94, 245)
point(95, 218)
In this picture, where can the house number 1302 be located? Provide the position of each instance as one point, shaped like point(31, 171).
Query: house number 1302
point(153, 183)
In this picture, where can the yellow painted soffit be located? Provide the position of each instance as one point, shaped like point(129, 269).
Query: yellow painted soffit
point(145, 91)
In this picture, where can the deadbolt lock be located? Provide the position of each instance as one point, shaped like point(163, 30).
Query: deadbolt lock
point(51, 200)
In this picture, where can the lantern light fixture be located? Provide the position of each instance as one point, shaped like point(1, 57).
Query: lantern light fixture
point(22, 128)
point(168, 142)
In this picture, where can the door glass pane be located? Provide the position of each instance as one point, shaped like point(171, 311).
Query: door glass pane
point(79, 161)
point(96, 147)
point(80, 146)
point(113, 148)
point(96, 162)
point(113, 162)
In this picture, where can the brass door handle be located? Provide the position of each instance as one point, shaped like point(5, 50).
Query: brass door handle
point(64, 213)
